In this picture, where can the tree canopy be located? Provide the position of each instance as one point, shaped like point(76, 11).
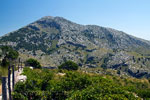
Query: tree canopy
point(8, 53)
point(12, 55)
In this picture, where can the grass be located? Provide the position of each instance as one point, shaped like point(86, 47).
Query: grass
point(53, 47)
point(135, 54)
point(3, 71)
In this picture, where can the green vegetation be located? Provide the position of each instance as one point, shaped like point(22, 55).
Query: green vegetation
point(53, 46)
point(3, 71)
point(69, 65)
point(105, 60)
point(8, 54)
point(5, 62)
point(33, 62)
point(42, 84)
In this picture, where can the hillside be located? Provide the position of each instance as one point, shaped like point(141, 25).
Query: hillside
point(53, 40)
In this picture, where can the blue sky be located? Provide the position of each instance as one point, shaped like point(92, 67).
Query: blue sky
point(130, 16)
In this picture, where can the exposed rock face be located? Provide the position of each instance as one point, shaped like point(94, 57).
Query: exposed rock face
point(54, 40)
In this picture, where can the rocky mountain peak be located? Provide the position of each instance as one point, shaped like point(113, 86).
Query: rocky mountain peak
point(53, 40)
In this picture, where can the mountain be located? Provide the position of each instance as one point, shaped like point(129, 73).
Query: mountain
point(53, 40)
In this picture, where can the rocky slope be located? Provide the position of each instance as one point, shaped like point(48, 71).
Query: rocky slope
point(53, 40)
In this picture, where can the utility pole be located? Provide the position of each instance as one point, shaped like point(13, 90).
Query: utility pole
point(13, 77)
point(4, 88)
point(21, 65)
point(9, 82)
point(18, 64)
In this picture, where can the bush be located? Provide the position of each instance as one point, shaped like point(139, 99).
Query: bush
point(69, 65)
point(18, 96)
point(47, 85)
point(144, 93)
point(33, 62)
point(36, 87)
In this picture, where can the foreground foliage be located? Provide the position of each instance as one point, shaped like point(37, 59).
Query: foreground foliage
point(42, 84)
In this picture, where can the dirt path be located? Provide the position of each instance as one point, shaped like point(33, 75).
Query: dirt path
point(18, 76)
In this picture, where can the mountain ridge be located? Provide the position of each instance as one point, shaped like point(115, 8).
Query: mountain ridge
point(53, 40)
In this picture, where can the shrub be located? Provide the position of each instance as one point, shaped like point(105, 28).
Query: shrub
point(69, 65)
point(18, 96)
point(44, 84)
point(33, 62)
point(144, 93)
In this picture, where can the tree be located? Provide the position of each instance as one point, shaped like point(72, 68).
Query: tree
point(33, 62)
point(5, 49)
point(5, 62)
point(69, 65)
point(8, 54)
point(12, 55)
